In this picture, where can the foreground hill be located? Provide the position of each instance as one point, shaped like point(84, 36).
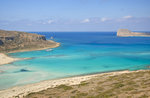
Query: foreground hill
point(127, 33)
point(127, 85)
point(14, 41)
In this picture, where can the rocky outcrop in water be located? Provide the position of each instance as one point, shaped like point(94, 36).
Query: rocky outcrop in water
point(15, 41)
point(127, 33)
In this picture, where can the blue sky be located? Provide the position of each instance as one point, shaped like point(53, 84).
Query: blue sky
point(74, 15)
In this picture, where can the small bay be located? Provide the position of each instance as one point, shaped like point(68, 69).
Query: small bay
point(80, 53)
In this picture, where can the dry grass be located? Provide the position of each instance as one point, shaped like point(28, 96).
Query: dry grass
point(129, 85)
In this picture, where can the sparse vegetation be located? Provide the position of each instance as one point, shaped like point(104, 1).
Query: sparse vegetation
point(65, 87)
point(83, 83)
point(79, 95)
point(128, 85)
point(118, 85)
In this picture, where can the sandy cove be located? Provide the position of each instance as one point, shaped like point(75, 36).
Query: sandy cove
point(22, 91)
point(4, 59)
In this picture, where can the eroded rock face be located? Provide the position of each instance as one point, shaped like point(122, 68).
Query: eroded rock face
point(13, 40)
point(1, 42)
point(126, 33)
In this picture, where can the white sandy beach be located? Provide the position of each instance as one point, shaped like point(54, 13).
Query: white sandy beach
point(4, 59)
point(36, 87)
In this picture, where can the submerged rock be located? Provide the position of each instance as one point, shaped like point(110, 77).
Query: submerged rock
point(24, 70)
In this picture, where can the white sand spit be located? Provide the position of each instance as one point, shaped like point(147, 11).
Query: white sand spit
point(4, 59)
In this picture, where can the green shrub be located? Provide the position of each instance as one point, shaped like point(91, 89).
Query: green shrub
point(65, 87)
point(83, 84)
point(118, 85)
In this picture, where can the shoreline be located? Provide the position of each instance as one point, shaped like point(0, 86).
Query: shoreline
point(24, 90)
point(5, 59)
point(26, 50)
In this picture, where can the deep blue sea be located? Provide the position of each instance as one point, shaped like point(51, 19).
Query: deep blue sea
point(80, 53)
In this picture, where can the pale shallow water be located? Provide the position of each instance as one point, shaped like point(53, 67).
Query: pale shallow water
point(79, 53)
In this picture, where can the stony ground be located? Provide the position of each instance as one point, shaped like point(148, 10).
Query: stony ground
point(129, 85)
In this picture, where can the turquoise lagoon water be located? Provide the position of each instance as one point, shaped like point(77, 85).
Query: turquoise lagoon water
point(80, 53)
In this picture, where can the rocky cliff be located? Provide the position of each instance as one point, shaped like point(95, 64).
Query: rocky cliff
point(127, 33)
point(17, 41)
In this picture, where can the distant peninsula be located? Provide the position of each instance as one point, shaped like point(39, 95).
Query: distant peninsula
point(128, 33)
point(15, 41)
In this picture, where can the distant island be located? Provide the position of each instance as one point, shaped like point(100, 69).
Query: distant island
point(15, 41)
point(128, 33)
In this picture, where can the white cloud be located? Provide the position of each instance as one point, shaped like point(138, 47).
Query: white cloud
point(86, 20)
point(43, 22)
point(104, 19)
point(47, 21)
point(50, 21)
point(124, 18)
point(127, 17)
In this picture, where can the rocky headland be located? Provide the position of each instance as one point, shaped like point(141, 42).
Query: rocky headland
point(128, 33)
point(14, 41)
